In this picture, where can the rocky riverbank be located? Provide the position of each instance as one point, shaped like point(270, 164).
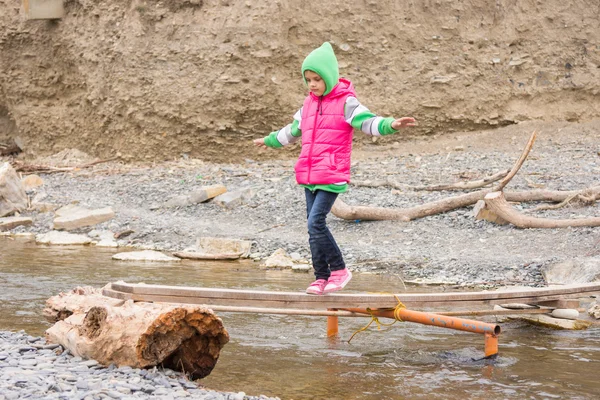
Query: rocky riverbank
point(451, 248)
point(31, 368)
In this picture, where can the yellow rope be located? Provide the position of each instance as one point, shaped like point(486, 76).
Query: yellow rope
point(374, 318)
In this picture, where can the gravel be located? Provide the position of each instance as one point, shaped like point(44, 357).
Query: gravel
point(31, 368)
point(449, 248)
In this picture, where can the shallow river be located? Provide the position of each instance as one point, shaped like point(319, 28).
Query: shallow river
point(290, 356)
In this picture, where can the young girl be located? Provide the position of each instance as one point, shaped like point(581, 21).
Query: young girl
point(326, 123)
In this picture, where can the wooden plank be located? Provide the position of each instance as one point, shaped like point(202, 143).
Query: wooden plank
point(324, 302)
point(339, 313)
point(341, 300)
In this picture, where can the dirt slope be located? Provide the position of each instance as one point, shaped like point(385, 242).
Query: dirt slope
point(158, 79)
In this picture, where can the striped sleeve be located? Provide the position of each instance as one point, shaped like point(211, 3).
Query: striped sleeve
point(360, 117)
point(287, 135)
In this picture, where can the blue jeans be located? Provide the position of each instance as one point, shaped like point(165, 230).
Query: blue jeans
point(326, 255)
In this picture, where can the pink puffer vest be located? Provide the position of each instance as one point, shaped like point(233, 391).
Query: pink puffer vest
point(326, 138)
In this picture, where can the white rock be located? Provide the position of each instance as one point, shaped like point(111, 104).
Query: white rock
point(144, 255)
point(565, 313)
point(62, 238)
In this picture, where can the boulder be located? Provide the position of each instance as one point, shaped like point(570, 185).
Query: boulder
point(62, 238)
point(73, 217)
point(8, 223)
point(580, 270)
point(12, 193)
point(213, 245)
point(279, 259)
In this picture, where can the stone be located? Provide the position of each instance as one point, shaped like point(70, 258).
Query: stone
point(144, 255)
point(32, 182)
point(201, 195)
point(565, 313)
point(8, 223)
point(43, 207)
point(104, 238)
point(556, 323)
point(214, 245)
point(12, 193)
point(580, 270)
point(78, 217)
point(594, 310)
point(279, 259)
point(62, 238)
point(235, 198)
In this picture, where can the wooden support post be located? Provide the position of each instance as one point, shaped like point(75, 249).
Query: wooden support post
point(332, 324)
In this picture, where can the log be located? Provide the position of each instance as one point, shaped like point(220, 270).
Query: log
point(184, 338)
point(468, 185)
point(363, 213)
point(497, 204)
point(555, 196)
point(344, 211)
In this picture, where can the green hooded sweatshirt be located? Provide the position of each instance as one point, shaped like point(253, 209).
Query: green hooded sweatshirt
point(322, 60)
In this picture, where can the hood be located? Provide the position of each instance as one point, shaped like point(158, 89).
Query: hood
point(323, 61)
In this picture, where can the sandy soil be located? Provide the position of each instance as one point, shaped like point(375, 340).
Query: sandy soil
point(157, 80)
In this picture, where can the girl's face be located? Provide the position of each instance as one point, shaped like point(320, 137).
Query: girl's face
point(315, 83)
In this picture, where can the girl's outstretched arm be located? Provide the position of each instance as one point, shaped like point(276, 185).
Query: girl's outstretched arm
point(360, 117)
point(287, 135)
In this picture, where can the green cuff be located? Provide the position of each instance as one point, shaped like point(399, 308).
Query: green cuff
point(271, 140)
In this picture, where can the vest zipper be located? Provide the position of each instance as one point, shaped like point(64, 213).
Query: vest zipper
point(312, 142)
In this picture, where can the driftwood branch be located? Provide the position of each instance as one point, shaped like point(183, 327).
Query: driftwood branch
point(498, 205)
point(344, 211)
point(518, 164)
point(20, 166)
point(469, 185)
point(379, 183)
point(587, 196)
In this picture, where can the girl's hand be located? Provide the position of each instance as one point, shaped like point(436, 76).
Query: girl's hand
point(403, 123)
point(259, 142)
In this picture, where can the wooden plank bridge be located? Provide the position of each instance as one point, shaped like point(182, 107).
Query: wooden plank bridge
point(396, 306)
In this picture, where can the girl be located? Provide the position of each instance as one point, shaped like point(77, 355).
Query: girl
point(326, 123)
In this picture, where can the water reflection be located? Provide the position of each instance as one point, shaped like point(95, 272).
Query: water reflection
point(290, 356)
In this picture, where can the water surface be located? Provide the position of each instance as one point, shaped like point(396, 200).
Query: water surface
point(290, 356)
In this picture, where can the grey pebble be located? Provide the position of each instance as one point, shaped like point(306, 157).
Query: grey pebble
point(36, 372)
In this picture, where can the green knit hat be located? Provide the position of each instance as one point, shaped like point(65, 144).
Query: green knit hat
point(322, 61)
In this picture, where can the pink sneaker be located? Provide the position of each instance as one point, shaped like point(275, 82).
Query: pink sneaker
point(337, 280)
point(317, 287)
